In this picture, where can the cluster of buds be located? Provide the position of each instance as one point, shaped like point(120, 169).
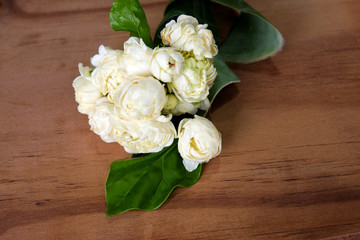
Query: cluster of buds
point(131, 95)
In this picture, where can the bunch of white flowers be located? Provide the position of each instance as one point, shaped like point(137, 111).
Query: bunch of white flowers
point(130, 96)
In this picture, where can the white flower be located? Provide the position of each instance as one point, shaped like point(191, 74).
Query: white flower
point(107, 75)
point(136, 60)
point(205, 44)
point(86, 93)
point(144, 136)
point(186, 34)
point(166, 63)
point(140, 99)
point(99, 120)
point(199, 141)
point(193, 84)
point(177, 34)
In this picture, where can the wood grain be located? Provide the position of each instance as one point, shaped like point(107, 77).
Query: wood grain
point(289, 167)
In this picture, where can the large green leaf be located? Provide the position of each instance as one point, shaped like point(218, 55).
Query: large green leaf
point(146, 182)
point(128, 15)
point(253, 37)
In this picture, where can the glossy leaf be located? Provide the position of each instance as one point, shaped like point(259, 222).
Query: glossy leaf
point(128, 15)
point(147, 181)
point(253, 37)
point(225, 77)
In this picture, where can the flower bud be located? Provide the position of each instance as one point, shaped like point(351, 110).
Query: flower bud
point(107, 75)
point(199, 141)
point(193, 84)
point(99, 120)
point(171, 102)
point(186, 34)
point(136, 60)
point(86, 93)
point(143, 98)
point(166, 63)
point(144, 136)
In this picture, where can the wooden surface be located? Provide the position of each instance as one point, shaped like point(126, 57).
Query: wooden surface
point(290, 164)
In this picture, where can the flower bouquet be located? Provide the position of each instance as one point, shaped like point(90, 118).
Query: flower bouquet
point(152, 97)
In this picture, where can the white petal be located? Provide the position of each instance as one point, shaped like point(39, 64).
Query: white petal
point(163, 118)
point(102, 50)
point(96, 60)
point(190, 165)
point(205, 104)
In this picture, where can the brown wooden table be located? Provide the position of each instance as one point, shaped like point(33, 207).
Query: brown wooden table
point(290, 163)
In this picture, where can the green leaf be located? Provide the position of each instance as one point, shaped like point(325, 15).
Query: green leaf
point(200, 9)
point(253, 37)
point(224, 77)
point(128, 15)
point(147, 181)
